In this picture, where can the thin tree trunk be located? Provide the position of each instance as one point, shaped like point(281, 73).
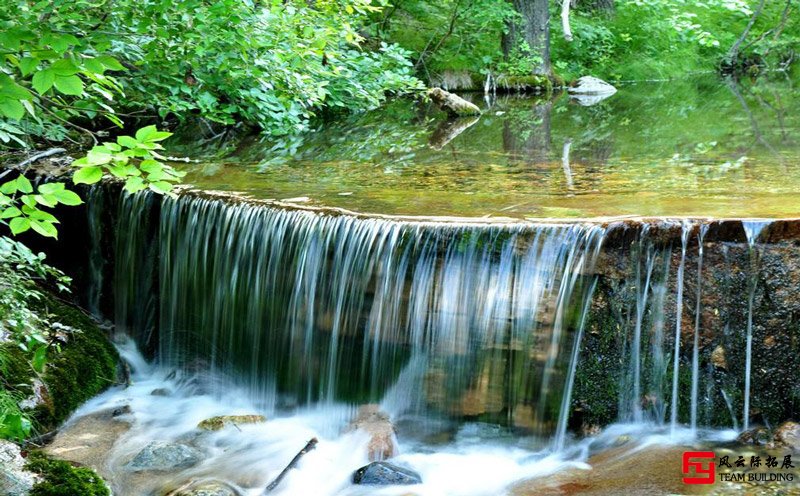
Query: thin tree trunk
point(733, 53)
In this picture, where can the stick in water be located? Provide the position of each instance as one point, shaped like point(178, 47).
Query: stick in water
point(309, 446)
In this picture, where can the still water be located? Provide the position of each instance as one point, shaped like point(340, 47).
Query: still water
point(702, 147)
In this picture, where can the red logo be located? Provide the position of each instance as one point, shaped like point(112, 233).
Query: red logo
point(702, 474)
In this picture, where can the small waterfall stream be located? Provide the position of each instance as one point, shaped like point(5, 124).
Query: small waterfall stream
point(753, 230)
point(505, 336)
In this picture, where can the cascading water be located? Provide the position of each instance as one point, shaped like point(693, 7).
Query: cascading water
point(752, 230)
point(314, 308)
point(696, 337)
point(686, 229)
point(450, 328)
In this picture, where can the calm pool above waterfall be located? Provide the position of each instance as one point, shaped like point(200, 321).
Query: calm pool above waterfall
point(703, 147)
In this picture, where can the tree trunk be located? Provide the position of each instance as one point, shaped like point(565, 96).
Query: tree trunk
point(534, 28)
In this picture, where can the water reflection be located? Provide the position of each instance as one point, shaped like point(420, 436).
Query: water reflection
point(701, 147)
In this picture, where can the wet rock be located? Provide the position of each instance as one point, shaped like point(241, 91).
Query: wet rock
point(758, 436)
point(222, 421)
point(381, 431)
point(718, 358)
point(385, 474)
point(160, 456)
point(123, 410)
point(160, 392)
point(787, 436)
point(205, 488)
point(589, 85)
point(14, 480)
point(452, 104)
point(87, 440)
point(40, 396)
point(590, 91)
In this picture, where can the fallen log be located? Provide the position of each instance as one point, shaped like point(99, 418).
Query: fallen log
point(308, 447)
point(452, 104)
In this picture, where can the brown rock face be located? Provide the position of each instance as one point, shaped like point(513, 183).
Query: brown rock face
point(787, 435)
point(379, 427)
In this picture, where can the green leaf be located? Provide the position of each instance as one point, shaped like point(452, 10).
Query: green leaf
point(43, 81)
point(49, 188)
point(69, 85)
point(46, 200)
point(127, 142)
point(9, 187)
point(64, 67)
point(19, 225)
point(27, 65)
point(134, 184)
point(24, 185)
point(111, 63)
point(10, 213)
point(12, 109)
point(161, 187)
point(87, 175)
point(44, 228)
point(68, 197)
point(151, 134)
point(94, 65)
point(39, 359)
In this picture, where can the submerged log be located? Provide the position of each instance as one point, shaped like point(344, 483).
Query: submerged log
point(308, 447)
point(452, 104)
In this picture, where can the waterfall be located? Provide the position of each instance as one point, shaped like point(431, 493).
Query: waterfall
point(321, 308)
point(436, 322)
point(752, 230)
point(94, 212)
point(696, 341)
point(686, 229)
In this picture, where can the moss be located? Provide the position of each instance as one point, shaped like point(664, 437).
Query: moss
point(534, 83)
point(86, 365)
point(597, 381)
point(17, 373)
point(62, 479)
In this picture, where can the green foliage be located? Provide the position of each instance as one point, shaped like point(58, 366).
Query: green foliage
point(273, 64)
point(450, 35)
point(135, 159)
point(638, 39)
point(62, 479)
point(14, 423)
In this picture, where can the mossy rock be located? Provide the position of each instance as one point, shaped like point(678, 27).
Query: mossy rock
point(533, 83)
point(86, 365)
point(62, 479)
point(222, 421)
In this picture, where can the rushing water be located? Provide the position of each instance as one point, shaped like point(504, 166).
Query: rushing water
point(479, 340)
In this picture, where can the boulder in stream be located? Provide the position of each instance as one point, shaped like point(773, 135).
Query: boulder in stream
point(163, 456)
point(758, 436)
point(590, 91)
point(376, 423)
point(385, 474)
point(222, 421)
point(786, 436)
point(590, 85)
